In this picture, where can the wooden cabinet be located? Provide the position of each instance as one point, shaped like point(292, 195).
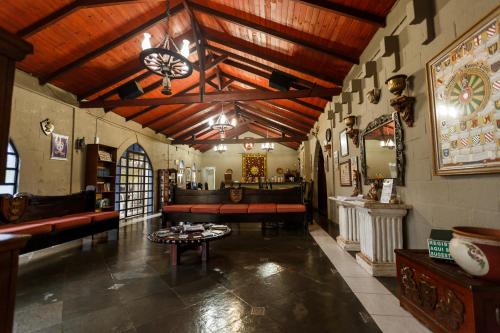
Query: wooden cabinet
point(445, 298)
point(166, 177)
point(10, 245)
point(100, 172)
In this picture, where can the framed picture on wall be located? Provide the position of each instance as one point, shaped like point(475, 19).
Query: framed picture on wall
point(59, 147)
point(464, 95)
point(335, 159)
point(344, 144)
point(345, 173)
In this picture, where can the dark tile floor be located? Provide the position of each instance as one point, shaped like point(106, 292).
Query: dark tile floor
point(255, 281)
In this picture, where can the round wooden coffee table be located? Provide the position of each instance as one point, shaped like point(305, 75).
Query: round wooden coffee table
point(181, 241)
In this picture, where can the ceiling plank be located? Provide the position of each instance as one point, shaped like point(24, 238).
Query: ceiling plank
point(278, 32)
point(256, 86)
point(215, 97)
point(49, 20)
point(283, 112)
point(347, 11)
point(109, 46)
point(271, 124)
point(230, 141)
point(258, 51)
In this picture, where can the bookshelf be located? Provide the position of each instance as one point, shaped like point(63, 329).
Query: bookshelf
point(166, 177)
point(100, 171)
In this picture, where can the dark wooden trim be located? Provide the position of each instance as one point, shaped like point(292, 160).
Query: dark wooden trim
point(279, 32)
point(347, 11)
point(252, 94)
point(13, 47)
point(109, 46)
point(258, 51)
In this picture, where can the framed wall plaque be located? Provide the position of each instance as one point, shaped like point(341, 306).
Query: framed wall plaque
point(345, 173)
point(344, 144)
point(464, 94)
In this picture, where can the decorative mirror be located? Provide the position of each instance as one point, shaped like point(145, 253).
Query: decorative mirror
point(382, 150)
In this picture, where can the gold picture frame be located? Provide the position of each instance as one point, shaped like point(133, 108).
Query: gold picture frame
point(345, 173)
point(464, 97)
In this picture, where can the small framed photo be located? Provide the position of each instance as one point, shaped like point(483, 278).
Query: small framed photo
point(345, 173)
point(344, 144)
point(59, 147)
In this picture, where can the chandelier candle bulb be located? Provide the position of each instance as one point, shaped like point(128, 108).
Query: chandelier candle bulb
point(185, 48)
point(146, 41)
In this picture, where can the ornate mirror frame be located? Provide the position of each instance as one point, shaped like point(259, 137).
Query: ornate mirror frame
point(399, 140)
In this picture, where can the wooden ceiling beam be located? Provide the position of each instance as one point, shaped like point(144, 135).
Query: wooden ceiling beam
point(289, 121)
point(230, 141)
point(215, 97)
point(346, 11)
point(298, 101)
point(264, 132)
point(260, 52)
point(49, 20)
point(195, 119)
point(282, 113)
point(205, 108)
point(278, 32)
point(284, 127)
point(109, 46)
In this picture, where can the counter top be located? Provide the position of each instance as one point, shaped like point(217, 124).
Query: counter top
point(353, 201)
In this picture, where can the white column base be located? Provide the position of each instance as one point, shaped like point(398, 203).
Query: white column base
point(376, 269)
point(348, 245)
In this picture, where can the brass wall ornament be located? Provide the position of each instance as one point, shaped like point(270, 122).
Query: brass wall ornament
point(352, 133)
point(401, 103)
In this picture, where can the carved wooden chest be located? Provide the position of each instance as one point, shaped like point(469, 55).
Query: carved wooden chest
point(445, 298)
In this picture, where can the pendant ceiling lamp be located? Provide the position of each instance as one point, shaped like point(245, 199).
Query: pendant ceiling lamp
point(267, 146)
point(222, 123)
point(162, 60)
point(220, 148)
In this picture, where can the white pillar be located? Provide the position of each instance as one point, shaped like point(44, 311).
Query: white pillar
point(348, 227)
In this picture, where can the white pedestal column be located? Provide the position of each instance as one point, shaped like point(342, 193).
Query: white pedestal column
point(349, 227)
point(381, 231)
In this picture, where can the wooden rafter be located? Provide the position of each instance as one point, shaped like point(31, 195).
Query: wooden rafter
point(240, 141)
point(201, 117)
point(264, 132)
point(252, 94)
point(347, 11)
point(276, 32)
point(263, 53)
point(272, 122)
point(205, 110)
point(282, 112)
point(256, 86)
point(109, 46)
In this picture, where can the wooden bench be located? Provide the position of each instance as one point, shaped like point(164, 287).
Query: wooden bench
point(52, 220)
point(235, 205)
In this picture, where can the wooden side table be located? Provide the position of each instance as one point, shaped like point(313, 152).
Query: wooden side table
point(445, 298)
point(10, 245)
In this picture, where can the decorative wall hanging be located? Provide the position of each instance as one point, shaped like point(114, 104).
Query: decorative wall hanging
point(401, 103)
point(59, 147)
point(352, 133)
point(47, 126)
point(373, 95)
point(327, 148)
point(248, 145)
point(254, 166)
point(328, 135)
point(344, 145)
point(464, 90)
point(345, 173)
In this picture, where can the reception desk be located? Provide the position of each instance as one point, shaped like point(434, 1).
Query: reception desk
point(374, 229)
point(275, 185)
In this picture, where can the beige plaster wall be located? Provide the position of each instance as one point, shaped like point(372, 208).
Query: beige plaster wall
point(438, 202)
point(281, 157)
point(41, 175)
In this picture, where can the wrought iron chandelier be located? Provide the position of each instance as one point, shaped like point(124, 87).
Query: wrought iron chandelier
point(267, 146)
point(220, 148)
point(161, 60)
point(222, 123)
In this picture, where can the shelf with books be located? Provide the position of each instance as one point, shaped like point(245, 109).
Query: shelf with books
point(100, 172)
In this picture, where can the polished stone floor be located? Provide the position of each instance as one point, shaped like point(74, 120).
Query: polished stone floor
point(255, 281)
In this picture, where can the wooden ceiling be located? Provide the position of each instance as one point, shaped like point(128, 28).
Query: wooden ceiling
point(91, 47)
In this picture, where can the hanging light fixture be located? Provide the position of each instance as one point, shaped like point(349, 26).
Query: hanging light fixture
point(267, 146)
point(220, 148)
point(171, 64)
point(222, 123)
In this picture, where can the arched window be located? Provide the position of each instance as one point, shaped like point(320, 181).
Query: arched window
point(12, 172)
point(134, 179)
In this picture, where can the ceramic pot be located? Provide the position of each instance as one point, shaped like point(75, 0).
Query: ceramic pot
point(477, 251)
point(396, 84)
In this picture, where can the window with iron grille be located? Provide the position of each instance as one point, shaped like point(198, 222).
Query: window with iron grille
point(12, 171)
point(134, 183)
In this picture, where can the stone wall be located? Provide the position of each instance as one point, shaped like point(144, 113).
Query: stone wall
point(438, 202)
point(41, 175)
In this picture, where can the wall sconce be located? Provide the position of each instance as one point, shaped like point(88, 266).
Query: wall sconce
point(401, 103)
point(327, 148)
point(80, 143)
point(351, 132)
point(373, 95)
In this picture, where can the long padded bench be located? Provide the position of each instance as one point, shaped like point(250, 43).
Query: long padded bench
point(219, 206)
point(52, 220)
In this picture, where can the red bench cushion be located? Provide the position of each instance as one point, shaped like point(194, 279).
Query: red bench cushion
point(96, 216)
point(64, 222)
point(234, 209)
point(206, 208)
point(177, 208)
point(290, 208)
point(257, 208)
point(26, 228)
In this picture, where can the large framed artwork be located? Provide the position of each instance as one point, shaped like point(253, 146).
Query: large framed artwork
point(254, 166)
point(345, 173)
point(464, 93)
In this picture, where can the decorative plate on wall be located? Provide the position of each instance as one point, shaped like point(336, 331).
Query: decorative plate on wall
point(279, 171)
point(328, 135)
